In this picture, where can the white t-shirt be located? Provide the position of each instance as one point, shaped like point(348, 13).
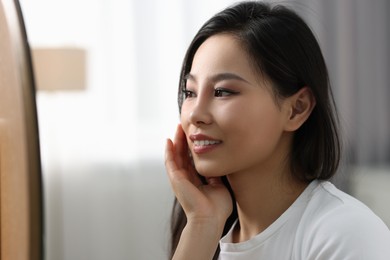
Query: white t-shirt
point(324, 223)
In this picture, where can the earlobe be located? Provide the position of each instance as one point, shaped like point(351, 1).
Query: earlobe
point(301, 105)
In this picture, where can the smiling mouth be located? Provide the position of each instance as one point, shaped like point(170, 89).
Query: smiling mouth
point(205, 142)
point(205, 146)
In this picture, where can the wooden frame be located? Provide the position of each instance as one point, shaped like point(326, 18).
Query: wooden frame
point(21, 232)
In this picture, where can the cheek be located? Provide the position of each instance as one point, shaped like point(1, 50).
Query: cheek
point(256, 128)
point(250, 117)
point(184, 118)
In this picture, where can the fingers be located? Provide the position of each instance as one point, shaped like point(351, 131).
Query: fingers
point(182, 156)
point(181, 147)
point(170, 162)
point(175, 172)
point(177, 162)
point(199, 201)
point(179, 178)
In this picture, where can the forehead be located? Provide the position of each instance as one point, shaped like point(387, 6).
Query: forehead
point(222, 53)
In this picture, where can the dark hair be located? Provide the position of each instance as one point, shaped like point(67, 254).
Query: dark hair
point(283, 48)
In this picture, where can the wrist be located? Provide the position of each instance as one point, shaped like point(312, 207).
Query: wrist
point(211, 225)
point(199, 240)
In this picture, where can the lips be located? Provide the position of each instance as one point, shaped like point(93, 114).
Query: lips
point(203, 143)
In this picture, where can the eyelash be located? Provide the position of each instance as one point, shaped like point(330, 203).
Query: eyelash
point(219, 92)
point(187, 93)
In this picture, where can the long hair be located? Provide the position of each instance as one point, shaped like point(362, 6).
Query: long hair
point(282, 47)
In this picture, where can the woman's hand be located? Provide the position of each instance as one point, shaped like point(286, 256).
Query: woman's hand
point(199, 201)
point(207, 206)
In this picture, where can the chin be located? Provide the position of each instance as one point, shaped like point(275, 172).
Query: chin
point(209, 170)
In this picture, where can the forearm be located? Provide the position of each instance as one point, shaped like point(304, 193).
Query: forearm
point(198, 241)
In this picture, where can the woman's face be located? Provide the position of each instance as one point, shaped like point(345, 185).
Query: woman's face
point(230, 117)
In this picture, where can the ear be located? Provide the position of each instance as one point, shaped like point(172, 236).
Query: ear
point(301, 105)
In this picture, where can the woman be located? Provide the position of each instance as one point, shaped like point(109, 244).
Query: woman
point(257, 142)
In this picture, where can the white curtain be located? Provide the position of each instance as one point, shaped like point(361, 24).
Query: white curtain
point(106, 193)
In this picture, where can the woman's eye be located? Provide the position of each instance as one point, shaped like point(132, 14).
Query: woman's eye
point(223, 93)
point(188, 93)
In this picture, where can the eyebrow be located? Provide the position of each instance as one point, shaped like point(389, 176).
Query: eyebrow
point(218, 77)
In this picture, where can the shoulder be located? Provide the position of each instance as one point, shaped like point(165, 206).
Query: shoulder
point(337, 226)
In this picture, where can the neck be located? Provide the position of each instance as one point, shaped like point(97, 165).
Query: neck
point(262, 197)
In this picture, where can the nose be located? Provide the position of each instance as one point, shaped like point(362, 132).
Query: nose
point(200, 113)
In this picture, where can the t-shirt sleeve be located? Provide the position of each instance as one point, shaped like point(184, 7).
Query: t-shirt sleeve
point(347, 233)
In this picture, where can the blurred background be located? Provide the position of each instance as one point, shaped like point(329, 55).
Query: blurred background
point(110, 104)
